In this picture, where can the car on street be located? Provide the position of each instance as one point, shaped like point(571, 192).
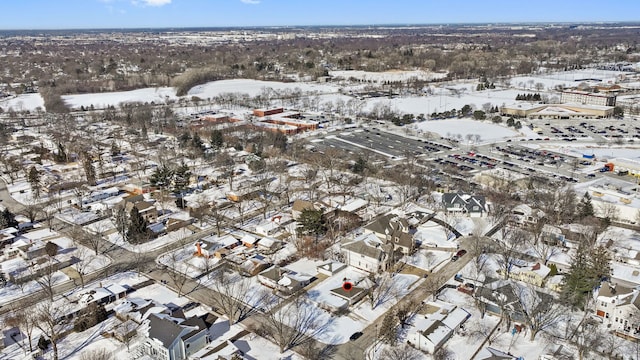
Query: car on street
point(355, 336)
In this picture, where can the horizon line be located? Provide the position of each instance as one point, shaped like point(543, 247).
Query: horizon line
point(331, 25)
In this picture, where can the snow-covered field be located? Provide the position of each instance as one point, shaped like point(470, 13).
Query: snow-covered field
point(255, 87)
point(23, 102)
point(487, 131)
point(102, 100)
point(386, 75)
point(566, 79)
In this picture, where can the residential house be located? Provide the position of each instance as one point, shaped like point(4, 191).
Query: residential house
point(619, 308)
point(133, 308)
point(284, 280)
point(27, 249)
point(268, 227)
point(490, 353)
point(173, 338)
point(534, 274)
point(552, 235)
point(395, 230)
point(269, 245)
point(524, 214)
point(331, 268)
point(459, 203)
point(104, 295)
point(249, 241)
point(500, 298)
point(433, 330)
point(146, 209)
point(366, 252)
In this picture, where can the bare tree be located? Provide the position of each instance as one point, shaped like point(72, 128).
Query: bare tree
point(544, 250)
point(25, 321)
point(45, 276)
point(177, 272)
point(232, 295)
point(295, 324)
point(541, 311)
point(51, 321)
point(509, 247)
point(99, 354)
point(84, 259)
point(383, 290)
point(400, 352)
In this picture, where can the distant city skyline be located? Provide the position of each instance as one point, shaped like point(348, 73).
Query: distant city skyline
point(84, 14)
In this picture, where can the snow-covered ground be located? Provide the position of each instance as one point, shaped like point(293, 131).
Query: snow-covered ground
point(102, 100)
point(255, 87)
point(385, 76)
point(23, 102)
point(339, 328)
point(427, 260)
point(172, 237)
point(487, 131)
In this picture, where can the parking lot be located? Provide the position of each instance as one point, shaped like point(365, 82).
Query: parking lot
point(380, 142)
point(461, 163)
point(602, 130)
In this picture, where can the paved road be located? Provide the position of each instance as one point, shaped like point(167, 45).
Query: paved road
point(6, 200)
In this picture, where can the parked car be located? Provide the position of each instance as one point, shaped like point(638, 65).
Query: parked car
point(461, 253)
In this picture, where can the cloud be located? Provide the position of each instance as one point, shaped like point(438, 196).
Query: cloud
point(252, 2)
point(151, 2)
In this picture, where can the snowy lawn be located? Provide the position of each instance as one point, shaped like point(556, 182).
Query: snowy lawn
point(487, 131)
point(427, 260)
point(172, 237)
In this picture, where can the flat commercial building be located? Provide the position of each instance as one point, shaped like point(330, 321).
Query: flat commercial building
point(587, 98)
point(557, 111)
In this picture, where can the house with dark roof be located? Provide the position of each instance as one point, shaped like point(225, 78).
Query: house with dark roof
point(366, 252)
point(459, 203)
point(393, 229)
point(172, 338)
point(284, 280)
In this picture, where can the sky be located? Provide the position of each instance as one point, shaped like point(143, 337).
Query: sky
point(74, 14)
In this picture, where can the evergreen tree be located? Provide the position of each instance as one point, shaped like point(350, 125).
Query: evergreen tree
point(8, 219)
point(137, 232)
point(589, 267)
point(585, 207)
point(181, 177)
point(197, 143)
point(217, 140)
point(280, 141)
point(89, 170)
point(115, 149)
point(161, 177)
point(311, 222)
point(34, 180)
point(184, 139)
point(360, 166)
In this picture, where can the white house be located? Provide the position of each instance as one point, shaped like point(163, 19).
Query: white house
point(431, 332)
point(365, 253)
point(619, 308)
